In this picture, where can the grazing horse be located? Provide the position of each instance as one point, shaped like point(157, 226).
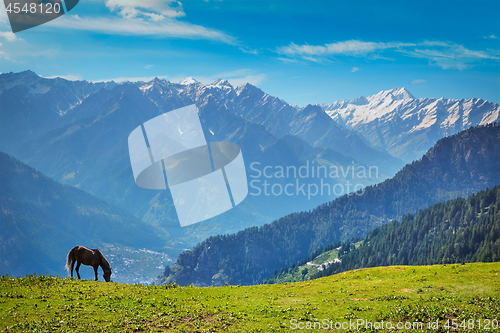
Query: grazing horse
point(83, 255)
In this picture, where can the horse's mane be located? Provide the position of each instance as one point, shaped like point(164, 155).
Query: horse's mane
point(104, 262)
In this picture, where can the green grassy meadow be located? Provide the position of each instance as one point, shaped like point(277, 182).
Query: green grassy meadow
point(467, 296)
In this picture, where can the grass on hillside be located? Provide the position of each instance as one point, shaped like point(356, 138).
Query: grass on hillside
point(306, 271)
point(465, 295)
point(309, 270)
point(326, 257)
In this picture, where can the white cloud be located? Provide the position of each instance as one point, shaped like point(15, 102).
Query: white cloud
point(149, 66)
point(248, 50)
point(448, 55)
point(156, 18)
point(287, 60)
point(354, 69)
point(9, 35)
point(418, 81)
point(444, 54)
point(169, 28)
point(355, 48)
point(135, 8)
point(492, 37)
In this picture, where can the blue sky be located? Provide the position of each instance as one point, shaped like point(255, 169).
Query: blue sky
point(305, 52)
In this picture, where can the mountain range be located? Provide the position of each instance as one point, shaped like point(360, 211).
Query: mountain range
point(405, 126)
point(75, 132)
point(86, 146)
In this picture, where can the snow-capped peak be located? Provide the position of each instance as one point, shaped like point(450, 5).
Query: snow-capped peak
point(406, 126)
point(394, 94)
point(221, 84)
point(187, 81)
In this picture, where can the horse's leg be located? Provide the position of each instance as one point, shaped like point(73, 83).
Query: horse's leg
point(77, 269)
point(95, 271)
point(72, 266)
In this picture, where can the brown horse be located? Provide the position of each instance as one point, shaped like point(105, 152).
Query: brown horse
point(83, 255)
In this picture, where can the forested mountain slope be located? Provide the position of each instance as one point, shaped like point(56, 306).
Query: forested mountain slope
point(456, 166)
point(461, 230)
point(456, 231)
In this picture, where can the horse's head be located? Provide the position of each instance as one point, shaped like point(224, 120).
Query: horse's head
point(107, 275)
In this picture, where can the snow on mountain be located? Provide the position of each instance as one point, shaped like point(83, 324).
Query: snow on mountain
point(279, 118)
point(187, 81)
point(221, 84)
point(392, 121)
point(393, 94)
point(147, 86)
point(405, 126)
point(311, 124)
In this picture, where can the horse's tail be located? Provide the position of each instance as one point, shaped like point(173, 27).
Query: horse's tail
point(69, 260)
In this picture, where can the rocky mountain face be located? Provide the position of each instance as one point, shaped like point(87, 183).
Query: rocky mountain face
point(31, 105)
point(406, 126)
point(311, 124)
point(278, 118)
point(456, 166)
